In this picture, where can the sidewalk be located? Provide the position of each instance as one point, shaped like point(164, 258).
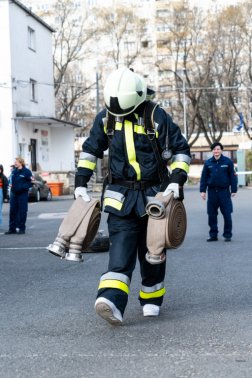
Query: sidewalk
point(71, 196)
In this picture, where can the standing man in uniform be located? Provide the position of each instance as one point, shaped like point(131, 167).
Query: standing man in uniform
point(21, 180)
point(218, 175)
point(133, 181)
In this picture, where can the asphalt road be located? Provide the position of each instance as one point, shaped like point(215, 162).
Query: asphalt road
point(49, 328)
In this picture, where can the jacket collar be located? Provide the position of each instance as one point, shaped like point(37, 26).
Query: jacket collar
point(212, 159)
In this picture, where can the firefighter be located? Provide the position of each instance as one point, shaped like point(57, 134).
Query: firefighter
point(136, 173)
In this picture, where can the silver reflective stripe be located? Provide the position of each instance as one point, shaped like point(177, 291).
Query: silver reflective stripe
point(116, 276)
point(88, 157)
point(119, 119)
point(104, 121)
point(140, 121)
point(181, 157)
point(152, 289)
point(156, 125)
point(115, 195)
point(149, 199)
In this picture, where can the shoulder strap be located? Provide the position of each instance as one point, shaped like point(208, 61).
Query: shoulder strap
point(110, 123)
point(149, 126)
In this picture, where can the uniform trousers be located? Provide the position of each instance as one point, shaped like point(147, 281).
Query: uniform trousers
point(219, 198)
point(128, 239)
point(18, 205)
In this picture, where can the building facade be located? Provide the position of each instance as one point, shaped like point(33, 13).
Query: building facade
point(28, 126)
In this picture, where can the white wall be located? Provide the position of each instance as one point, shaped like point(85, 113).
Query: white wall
point(7, 135)
point(28, 64)
point(62, 140)
point(26, 133)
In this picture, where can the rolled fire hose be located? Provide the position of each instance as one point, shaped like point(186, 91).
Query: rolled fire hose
point(166, 226)
point(77, 230)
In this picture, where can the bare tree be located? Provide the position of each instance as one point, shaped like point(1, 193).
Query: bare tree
point(126, 33)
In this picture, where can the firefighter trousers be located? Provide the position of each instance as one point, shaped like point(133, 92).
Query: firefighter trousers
point(128, 238)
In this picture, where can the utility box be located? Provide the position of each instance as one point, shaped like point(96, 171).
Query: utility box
point(241, 167)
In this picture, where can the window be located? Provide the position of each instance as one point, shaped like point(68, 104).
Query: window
point(33, 85)
point(79, 108)
point(76, 4)
point(146, 44)
point(162, 28)
point(31, 39)
point(78, 78)
point(81, 122)
point(226, 153)
point(92, 94)
point(165, 88)
point(129, 45)
point(91, 3)
point(237, 100)
point(207, 155)
point(163, 13)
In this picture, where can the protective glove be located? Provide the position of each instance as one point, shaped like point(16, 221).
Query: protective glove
point(82, 191)
point(176, 189)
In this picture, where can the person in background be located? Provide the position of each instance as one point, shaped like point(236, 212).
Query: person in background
point(218, 175)
point(3, 191)
point(20, 181)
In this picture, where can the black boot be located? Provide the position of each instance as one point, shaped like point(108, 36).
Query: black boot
point(212, 238)
point(227, 239)
point(21, 232)
point(10, 232)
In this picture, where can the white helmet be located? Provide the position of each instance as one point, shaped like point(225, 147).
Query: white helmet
point(124, 91)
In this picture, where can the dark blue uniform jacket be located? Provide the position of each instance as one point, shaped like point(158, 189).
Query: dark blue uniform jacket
point(132, 157)
point(218, 174)
point(21, 180)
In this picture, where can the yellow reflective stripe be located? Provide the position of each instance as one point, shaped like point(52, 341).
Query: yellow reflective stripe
point(113, 284)
point(136, 115)
point(181, 165)
point(86, 164)
point(139, 129)
point(143, 215)
point(118, 126)
point(113, 203)
point(156, 294)
point(129, 139)
point(105, 129)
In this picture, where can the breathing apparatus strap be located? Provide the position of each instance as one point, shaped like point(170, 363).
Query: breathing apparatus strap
point(151, 133)
point(110, 120)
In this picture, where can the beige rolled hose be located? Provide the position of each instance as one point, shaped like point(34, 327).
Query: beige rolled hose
point(168, 232)
point(78, 229)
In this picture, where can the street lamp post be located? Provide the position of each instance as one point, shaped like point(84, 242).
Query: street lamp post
point(184, 100)
point(99, 172)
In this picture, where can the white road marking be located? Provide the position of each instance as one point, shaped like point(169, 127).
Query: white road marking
point(32, 227)
point(27, 248)
point(52, 215)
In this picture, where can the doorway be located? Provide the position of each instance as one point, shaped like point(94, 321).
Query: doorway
point(33, 154)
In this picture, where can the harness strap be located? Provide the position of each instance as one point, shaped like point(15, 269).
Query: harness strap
point(110, 120)
point(151, 133)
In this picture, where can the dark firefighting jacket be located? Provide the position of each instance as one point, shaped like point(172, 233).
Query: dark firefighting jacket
point(218, 174)
point(132, 158)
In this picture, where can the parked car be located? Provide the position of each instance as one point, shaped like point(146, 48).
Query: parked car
point(39, 190)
